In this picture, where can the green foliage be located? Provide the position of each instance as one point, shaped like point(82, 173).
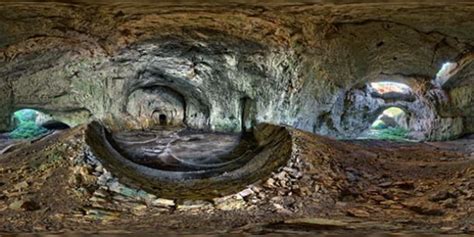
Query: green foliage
point(27, 130)
point(392, 134)
point(26, 125)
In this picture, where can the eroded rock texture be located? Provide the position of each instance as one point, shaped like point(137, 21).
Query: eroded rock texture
point(230, 66)
point(179, 92)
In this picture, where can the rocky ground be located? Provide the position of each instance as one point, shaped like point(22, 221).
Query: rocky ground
point(327, 186)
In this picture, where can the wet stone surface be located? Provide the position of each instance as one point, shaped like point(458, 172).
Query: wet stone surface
point(180, 149)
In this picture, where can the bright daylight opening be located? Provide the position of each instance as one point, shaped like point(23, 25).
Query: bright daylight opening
point(445, 73)
point(30, 123)
point(392, 124)
point(387, 87)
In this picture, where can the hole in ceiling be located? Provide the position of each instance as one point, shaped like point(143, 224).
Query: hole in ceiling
point(384, 87)
point(391, 91)
point(446, 71)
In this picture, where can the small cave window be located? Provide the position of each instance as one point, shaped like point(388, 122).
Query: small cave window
point(30, 123)
point(391, 124)
point(385, 87)
point(445, 73)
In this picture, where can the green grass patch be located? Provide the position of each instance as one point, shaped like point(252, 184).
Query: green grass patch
point(392, 134)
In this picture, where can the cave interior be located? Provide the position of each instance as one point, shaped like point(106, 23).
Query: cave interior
point(272, 117)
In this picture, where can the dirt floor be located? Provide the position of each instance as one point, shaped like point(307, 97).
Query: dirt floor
point(57, 185)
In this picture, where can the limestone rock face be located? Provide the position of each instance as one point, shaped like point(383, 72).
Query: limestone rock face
point(227, 67)
point(156, 106)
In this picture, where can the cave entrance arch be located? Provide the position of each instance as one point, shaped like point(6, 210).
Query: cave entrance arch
point(30, 123)
point(156, 106)
point(391, 124)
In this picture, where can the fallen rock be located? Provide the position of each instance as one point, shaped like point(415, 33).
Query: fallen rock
point(440, 196)
point(161, 202)
point(16, 205)
point(193, 204)
point(318, 223)
point(229, 203)
point(424, 208)
point(355, 212)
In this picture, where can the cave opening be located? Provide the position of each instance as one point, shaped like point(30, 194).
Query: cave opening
point(31, 123)
point(391, 91)
point(384, 87)
point(26, 124)
point(156, 106)
point(162, 119)
point(445, 72)
point(391, 124)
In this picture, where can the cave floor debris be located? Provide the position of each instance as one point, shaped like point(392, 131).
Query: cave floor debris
point(327, 186)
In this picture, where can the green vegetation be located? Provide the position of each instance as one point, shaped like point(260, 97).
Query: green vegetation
point(392, 112)
point(381, 130)
point(26, 125)
point(392, 134)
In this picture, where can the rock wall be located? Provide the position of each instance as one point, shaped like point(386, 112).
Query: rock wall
point(234, 65)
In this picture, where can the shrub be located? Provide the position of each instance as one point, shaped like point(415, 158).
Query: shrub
point(26, 125)
point(25, 115)
point(27, 130)
point(392, 134)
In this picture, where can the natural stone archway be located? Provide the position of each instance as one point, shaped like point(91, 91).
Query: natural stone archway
point(156, 106)
point(392, 117)
point(358, 108)
point(458, 84)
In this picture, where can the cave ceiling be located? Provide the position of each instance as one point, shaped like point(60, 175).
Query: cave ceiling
point(293, 61)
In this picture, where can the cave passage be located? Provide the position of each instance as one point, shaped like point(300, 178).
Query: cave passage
point(445, 73)
point(392, 124)
point(28, 124)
